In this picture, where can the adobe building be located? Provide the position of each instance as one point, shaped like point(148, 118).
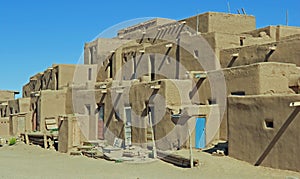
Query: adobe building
point(173, 78)
point(143, 56)
point(284, 50)
point(263, 130)
point(59, 77)
point(5, 96)
point(45, 97)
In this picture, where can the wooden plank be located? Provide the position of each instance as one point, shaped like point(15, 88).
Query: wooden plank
point(52, 126)
point(50, 121)
point(176, 159)
point(26, 139)
point(45, 141)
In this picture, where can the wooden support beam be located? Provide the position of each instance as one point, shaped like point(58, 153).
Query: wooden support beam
point(26, 138)
point(45, 141)
point(176, 159)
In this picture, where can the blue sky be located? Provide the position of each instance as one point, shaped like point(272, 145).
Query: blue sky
point(34, 34)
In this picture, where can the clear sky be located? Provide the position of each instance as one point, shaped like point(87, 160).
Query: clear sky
point(34, 34)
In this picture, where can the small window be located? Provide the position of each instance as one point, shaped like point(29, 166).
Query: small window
point(269, 124)
point(117, 117)
point(90, 74)
point(196, 53)
point(212, 101)
point(239, 93)
point(124, 59)
point(91, 55)
point(101, 112)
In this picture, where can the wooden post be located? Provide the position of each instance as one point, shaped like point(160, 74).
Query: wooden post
point(26, 138)
point(45, 141)
point(152, 137)
point(191, 151)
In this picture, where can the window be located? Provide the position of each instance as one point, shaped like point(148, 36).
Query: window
point(101, 112)
point(110, 68)
point(238, 93)
point(127, 115)
point(212, 101)
point(196, 53)
point(91, 55)
point(117, 117)
point(151, 115)
point(152, 67)
point(134, 67)
point(90, 74)
point(124, 59)
point(269, 124)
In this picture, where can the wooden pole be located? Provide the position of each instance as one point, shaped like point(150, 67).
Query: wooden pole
point(26, 138)
point(152, 137)
point(287, 18)
point(45, 141)
point(228, 7)
point(191, 151)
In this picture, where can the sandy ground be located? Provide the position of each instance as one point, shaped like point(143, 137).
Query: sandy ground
point(24, 161)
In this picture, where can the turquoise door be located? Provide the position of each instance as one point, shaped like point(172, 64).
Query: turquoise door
point(200, 133)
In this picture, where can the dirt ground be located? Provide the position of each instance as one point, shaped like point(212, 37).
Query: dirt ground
point(24, 161)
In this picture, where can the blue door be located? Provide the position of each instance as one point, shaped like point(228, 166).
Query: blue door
point(200, 133)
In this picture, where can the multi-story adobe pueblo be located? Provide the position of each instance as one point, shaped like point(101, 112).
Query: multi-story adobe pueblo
point(215, 75)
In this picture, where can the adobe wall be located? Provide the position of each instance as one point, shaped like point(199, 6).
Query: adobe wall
point(114, 126)
point(26, 89)
point(6, 95)
point(223, 40)
point(84, 74)
point(60, 76)
point(21, 105)
point(286, 51)
point(4, 126)
point(65, 75)
point(20, 119)
point(112, 63)
point(82, 102)
point(24, 104)
point(222, 22)
point(3, 109)
point(51, 104)
point(97, 51)
point(13, 107)
point(285, 31)
point(167, 100)
point(249, 137)
point(275, 32)
point(50, 79)
point(36, 84)
point(69, 134)
point(181, 59)
point(260, 78)
point(130, 31)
